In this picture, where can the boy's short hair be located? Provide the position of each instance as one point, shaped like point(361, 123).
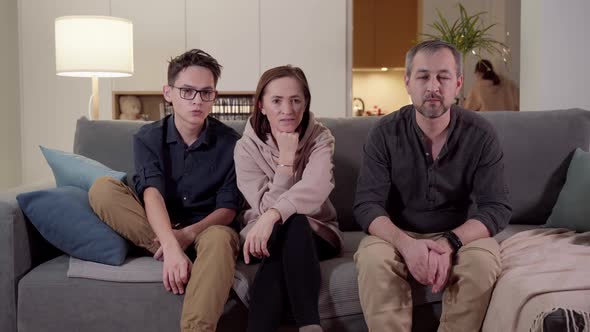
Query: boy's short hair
point(194, 57)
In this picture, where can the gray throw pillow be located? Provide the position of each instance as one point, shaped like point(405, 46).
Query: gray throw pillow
point(572, 209)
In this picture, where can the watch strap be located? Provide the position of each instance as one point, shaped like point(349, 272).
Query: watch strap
point(454, 241)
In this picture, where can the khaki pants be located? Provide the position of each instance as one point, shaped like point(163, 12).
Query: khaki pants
point(386, 296)
point(212, 274)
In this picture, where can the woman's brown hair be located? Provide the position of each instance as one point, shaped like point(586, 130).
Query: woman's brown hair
point(258, 120)
point(484, 67)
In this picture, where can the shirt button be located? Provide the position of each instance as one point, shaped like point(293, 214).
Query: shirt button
point(427, 154)
point(184, 198)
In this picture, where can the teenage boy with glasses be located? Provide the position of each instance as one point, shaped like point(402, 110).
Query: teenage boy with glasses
point(185, 194)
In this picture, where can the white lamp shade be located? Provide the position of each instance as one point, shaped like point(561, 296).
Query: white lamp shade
point(99, 46)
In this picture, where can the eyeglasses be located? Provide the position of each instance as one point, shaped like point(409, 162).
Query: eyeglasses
point(190, 94)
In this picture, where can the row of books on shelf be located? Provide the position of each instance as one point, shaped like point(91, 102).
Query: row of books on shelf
point(225, 108)
point(151, 106)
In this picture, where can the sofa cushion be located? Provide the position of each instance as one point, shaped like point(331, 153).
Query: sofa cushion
point(111, 141)
point(77, 304)
point(338, 294)
point(133, 269)
point(64, 217)
point(70, 169)
point(107, 141)
point(350, 135)
point(339, 289)
point(538, 147)
point(511, 230)
point(534, 172)
point(572, 209)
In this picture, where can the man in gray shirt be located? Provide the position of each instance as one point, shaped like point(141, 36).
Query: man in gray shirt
point(431, 194)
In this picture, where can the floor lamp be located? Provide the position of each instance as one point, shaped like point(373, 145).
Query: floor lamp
point(93, 46)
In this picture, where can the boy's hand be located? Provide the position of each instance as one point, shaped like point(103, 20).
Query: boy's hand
point(176, 270)
point(185, 238)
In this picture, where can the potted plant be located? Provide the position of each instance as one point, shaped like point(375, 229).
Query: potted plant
point(468, 34)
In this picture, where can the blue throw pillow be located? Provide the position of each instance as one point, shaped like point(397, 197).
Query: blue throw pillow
point(71, 169)
point(64, 217)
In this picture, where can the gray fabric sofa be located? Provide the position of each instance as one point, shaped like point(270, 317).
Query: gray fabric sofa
point(36, 295)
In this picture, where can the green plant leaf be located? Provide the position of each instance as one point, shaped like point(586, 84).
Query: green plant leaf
point(466, 33)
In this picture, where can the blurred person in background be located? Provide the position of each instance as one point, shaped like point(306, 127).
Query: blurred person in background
point(491, 92)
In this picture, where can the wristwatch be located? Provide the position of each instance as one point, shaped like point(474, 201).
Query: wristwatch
point(454, 241)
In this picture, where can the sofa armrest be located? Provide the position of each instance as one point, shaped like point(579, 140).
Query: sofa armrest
point(21, 248)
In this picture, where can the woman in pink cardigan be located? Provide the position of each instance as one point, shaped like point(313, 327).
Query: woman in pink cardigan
point(284, 170)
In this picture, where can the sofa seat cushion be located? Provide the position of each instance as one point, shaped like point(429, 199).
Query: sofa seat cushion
point(339, 290)
point(50, 301)
point(511, 230)
point(338, 294)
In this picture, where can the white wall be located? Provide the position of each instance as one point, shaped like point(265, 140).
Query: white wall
point(312, 35)
point(236, 45)
point(554, 54)
point(246, 37)
point(50, 104)
point(10, 163)
point(513, 38)
point(159, 31)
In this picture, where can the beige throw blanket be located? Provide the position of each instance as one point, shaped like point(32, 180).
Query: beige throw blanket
point(543, 270)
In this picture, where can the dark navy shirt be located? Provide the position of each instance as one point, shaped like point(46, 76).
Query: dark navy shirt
point(400, 179)
point(193, 180)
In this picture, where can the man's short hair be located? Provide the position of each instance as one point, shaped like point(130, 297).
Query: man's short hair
point(432, 46)
point(194, 57)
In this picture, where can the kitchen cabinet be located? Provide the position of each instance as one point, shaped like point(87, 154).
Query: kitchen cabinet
point(383, 31)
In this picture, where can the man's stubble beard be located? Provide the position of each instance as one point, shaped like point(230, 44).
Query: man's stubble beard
point(427, 112)
point(437, 112)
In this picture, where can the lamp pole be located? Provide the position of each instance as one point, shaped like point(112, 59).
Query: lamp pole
point(94, 110)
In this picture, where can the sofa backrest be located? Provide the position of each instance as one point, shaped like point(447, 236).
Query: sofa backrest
point(537, 149)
